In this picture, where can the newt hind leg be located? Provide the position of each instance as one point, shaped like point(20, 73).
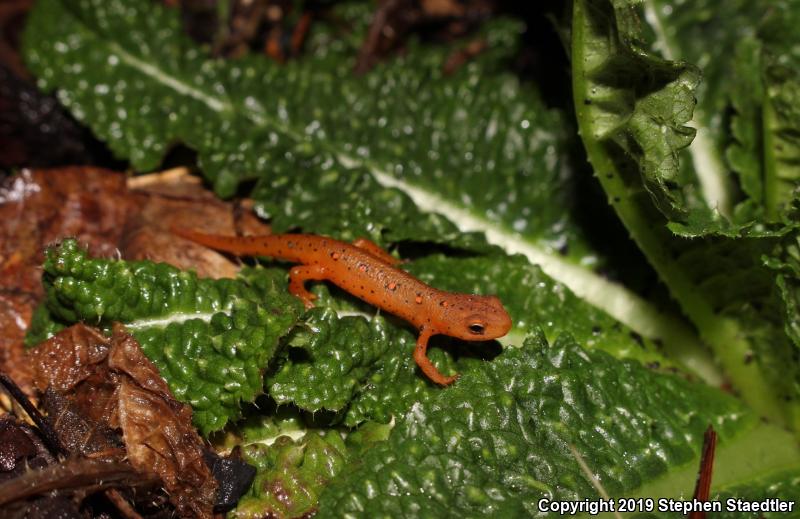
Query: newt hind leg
point(424, 363)
point(298, 275)
point(375, 249)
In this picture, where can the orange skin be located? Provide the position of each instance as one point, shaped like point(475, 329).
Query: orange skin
point(368, 272)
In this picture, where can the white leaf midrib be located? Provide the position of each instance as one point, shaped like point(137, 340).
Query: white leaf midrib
point(161, 76)
point(177, 317)
point(614, 299)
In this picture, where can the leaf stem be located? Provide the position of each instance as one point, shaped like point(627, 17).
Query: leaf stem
point(649, 231)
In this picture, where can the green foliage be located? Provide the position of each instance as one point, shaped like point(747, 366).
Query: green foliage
point(708, 242)
point(330, 357)
point(395, 382)
point(206, 335)
point(364, 368)
point(409, 154)
point(200, 332)
point(349, 203)
point(499, 440)
point(384, 164)
point(251, 119)
point(42, 327)
point(291, 473)
point(749, 61)
point(294, 464)
point(211, 339)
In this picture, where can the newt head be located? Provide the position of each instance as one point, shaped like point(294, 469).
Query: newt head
point(474, 318)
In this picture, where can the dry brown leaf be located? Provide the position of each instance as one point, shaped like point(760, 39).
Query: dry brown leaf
point(108, 384)
point(174, 199)
point(143, 241)
point(37, 208)
point(78, 433)
point(16, 310)
point(69, 357)
point(20, 449)
point(158, 431)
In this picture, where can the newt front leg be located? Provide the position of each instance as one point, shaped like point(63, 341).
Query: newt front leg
point(425, 364)
point(299, 275)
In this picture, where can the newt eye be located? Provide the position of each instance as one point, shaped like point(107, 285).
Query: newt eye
point(476, 328)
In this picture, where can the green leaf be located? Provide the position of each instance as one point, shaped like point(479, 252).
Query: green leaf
point(362, 369)
point(442, 165)
point(362, 366)
point(349, 203)
point(748, 56)
point(294, 460)
point(499, 440)
point(42, 327)
point(632, 109)
point(291, 473)
point(328, 358)
point(210, 339)
point(736, 499)
point(534, 299)
point(781, 113)
point(746, 150)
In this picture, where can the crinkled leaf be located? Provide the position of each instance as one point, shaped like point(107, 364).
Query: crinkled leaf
point(633, 108)
point(350, 204)
point(295, 464)
point(534, 299)
point(211, 339)
point(291, 474)
point(787, 267)
point(746, 116)
point(383, 163)
point(364, 368)
point(107, 401)
point(378, 350)
point(328, 359)
point(157, 429)
point(68, 358)
point(395, 384)
point(498, 441)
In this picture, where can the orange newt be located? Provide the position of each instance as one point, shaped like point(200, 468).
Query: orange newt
point(369, 273)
